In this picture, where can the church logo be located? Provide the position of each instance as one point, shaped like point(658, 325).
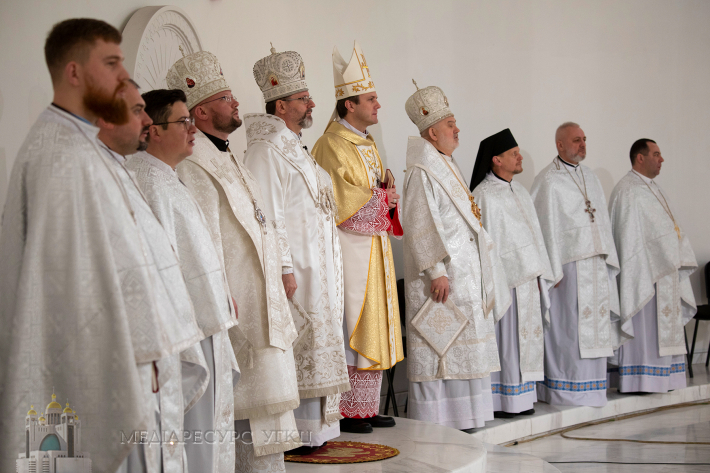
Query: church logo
point(53, 441)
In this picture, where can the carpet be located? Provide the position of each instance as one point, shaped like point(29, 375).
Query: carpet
point(346, 452)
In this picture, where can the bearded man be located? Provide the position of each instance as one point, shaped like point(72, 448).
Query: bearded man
point(584, 304)
point(176, 391)
point(246, 240)
point(511, 220)
point(654, 287)
point(454, 283)
point(80, 288)
point(298, 198)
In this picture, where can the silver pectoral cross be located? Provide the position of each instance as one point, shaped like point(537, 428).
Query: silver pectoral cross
point(590, 210)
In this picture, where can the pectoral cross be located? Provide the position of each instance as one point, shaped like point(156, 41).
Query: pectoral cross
point(475, 209)
point(677, 230)
point(590, 210)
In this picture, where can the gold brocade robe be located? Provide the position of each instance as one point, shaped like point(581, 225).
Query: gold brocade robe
point(371, 307)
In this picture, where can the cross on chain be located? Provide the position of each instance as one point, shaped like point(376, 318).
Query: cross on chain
point(475, 209)
point(590, 210)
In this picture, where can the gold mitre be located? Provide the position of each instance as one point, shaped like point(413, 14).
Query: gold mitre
point(199, 75)
point(280, 74)
point(427, 106)
point(351, 78)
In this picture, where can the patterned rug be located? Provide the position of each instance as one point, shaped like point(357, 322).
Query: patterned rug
point(346, 452)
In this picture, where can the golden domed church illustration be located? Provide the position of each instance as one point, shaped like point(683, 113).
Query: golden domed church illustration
point(53, 442)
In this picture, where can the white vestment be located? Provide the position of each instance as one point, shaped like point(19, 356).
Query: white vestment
point(176, 393)
point(298, 197)
point(267, 391)
point(656, 263)
point(442, 237)
point(187, 229)
point(85, 310)
point(509, 217)
point(584, 311)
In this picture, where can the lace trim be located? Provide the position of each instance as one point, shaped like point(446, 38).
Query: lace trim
point(363, 400)
point(372, 218)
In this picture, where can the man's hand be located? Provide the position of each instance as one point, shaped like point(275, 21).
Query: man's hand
point(558, 283)
point(289, 284)
point(392, 197)
point(440, 289)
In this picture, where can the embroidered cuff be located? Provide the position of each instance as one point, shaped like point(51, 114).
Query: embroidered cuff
point(372, 218)
point(286, 261)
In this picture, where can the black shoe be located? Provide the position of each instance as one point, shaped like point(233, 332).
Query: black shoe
point(304, 450)
point(381, 421)
point(468, 431)
point(529, 412)
point(355, 426)
point(503, 415)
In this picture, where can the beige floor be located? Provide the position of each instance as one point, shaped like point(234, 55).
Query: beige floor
point(688, 424)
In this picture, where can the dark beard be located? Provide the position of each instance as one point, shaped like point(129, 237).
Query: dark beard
point(110, 108)
point(143, 145)
point(227, 125)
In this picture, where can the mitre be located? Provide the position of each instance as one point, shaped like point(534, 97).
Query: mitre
point(427, 106)
point(280, 74)
point(351, 78)
point(199, 75)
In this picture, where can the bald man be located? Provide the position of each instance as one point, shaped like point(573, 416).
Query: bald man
point(584, 303)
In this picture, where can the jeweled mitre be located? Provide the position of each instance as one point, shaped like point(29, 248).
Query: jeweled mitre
point(427, 106)
point(199, 75)
point(280, 75)
point(351, 78)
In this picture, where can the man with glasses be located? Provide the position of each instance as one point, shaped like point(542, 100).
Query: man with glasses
point(117, 142)
point(298, 198)
point(247, 243)
point(170, 140)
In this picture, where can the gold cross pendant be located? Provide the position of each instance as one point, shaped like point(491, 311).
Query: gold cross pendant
point(474, 208)
point(677, 230)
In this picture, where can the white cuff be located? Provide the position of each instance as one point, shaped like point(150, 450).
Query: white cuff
point(436, 271)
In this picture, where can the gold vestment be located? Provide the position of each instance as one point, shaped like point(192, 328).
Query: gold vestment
point(372, 317)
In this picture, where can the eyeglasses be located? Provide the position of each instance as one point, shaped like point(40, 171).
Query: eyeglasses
point(226, 98)
point(306, 100)
point(187, 121)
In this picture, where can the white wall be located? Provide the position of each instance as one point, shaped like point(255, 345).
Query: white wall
point(623, 70)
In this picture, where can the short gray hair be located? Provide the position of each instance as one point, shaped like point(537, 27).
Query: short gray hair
point(564, 126)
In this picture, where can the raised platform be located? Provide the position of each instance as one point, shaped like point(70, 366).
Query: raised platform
point(549, 418)
point(426, 447)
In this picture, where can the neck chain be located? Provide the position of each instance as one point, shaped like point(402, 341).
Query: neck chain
point(587, 202)
point(326, 199)
point(664, 204)
point(258, 214)
point(475, 210)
